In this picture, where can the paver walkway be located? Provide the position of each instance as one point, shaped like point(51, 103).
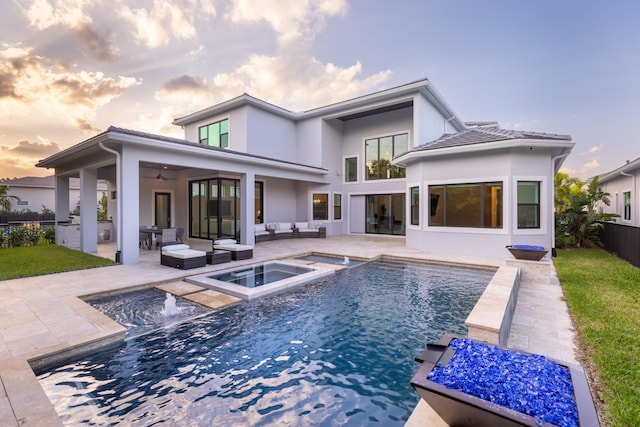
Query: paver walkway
point(42, 316)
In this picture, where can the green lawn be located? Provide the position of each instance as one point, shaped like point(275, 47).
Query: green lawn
point(37, 260)
point(603, 294)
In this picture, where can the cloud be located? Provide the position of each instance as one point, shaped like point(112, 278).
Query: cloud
point(593, 164)
point(72, 15)
point(185, 83)
point(33, 150)
point(34, 86)
point(296, 82)
point(20, 159)
point(294, 22)
point(594, 149)
point(156, 26)
point(96, 45)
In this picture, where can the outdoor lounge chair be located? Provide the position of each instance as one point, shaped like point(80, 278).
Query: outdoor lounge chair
point(182, 256)
point(167, 237)
point(238, 252)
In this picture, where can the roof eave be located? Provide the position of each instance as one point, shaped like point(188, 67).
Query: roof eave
point(409, 157)
point(626, 168)
point(231, 104)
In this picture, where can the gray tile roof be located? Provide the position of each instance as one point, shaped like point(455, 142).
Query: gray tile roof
point(483, 135)
point(203, 147)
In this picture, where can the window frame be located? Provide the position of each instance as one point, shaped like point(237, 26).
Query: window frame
point(538, 205)
point(626, 205)
point(220, 134)
point(483, 185)
point(393, 171)
point(334, 206)
point(414, 216)
point(345, 172)
point(318, 201)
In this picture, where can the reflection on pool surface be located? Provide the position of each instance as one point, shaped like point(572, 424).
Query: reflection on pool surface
point(261, 274)
point(338, 351)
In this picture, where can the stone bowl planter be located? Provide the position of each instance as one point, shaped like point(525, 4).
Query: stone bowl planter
point(564, 402)
point(530, 253)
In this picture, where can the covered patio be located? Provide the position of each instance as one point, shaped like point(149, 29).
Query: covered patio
point(155, 180)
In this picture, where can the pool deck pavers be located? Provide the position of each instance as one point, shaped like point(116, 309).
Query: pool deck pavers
point(42, 316)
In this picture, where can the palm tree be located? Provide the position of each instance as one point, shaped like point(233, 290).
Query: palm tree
point(5, 198)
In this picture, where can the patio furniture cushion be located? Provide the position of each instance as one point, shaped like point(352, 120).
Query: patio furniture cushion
point(182, 256)
point(262, 233)
point(224, 241)
point(238, 252)
point(175, 247)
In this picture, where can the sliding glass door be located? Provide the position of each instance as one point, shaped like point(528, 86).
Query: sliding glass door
point(385, 214)
point(215, 208)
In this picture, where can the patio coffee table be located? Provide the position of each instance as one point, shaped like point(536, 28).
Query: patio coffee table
point(218, 257)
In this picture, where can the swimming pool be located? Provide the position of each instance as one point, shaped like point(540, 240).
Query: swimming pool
point(261, 274)
point(260, 279)
point(338, 351)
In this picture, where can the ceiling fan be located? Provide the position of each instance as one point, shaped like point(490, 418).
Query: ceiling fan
point(160, 176)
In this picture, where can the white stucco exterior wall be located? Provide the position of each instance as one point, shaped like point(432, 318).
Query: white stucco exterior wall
point(507, 167)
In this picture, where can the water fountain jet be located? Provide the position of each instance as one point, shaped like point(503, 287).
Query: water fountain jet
point(170, 308)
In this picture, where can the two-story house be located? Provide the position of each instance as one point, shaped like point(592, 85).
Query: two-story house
point(399, 162)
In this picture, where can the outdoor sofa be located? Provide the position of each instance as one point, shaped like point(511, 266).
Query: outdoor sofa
point(288, 230)
point(309, 229)
point(182, 256)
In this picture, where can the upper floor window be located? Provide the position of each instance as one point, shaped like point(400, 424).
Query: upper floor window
point(351, 169)
point(477, 205)
point(528, 204)
point(627, 205)
point(378, 155)
point(215, 134)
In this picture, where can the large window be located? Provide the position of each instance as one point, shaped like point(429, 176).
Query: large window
point(627, 205)
point(528, 204)
point(215, 134)
point(415, 205)
point(378, 155)
point(351, 169)
point(477, 205)
point(215, 208)
point(320, 206)
point(337, 206)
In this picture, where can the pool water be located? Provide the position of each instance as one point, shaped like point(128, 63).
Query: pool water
point(327, 259)
point(144, 310)
point(338, 351)
point(261, 274)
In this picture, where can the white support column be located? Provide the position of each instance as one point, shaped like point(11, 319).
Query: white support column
point(88, 210)
point(62, 198)
point(130, 208)
point(247, 208)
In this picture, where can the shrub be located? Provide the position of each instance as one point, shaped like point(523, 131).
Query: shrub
point(28, 234)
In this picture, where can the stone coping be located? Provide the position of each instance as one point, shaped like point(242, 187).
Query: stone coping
point(490, 318)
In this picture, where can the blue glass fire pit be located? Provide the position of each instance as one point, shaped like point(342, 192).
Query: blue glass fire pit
point(469, 383)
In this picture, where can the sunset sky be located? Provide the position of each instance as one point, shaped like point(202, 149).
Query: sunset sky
point(71, 68)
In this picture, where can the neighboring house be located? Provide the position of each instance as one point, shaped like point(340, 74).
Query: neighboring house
point(622, 186)
point(622, 237)
point(37, 193)
point(399, 162)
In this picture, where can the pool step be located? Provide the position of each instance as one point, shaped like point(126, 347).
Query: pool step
point(198, 294)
